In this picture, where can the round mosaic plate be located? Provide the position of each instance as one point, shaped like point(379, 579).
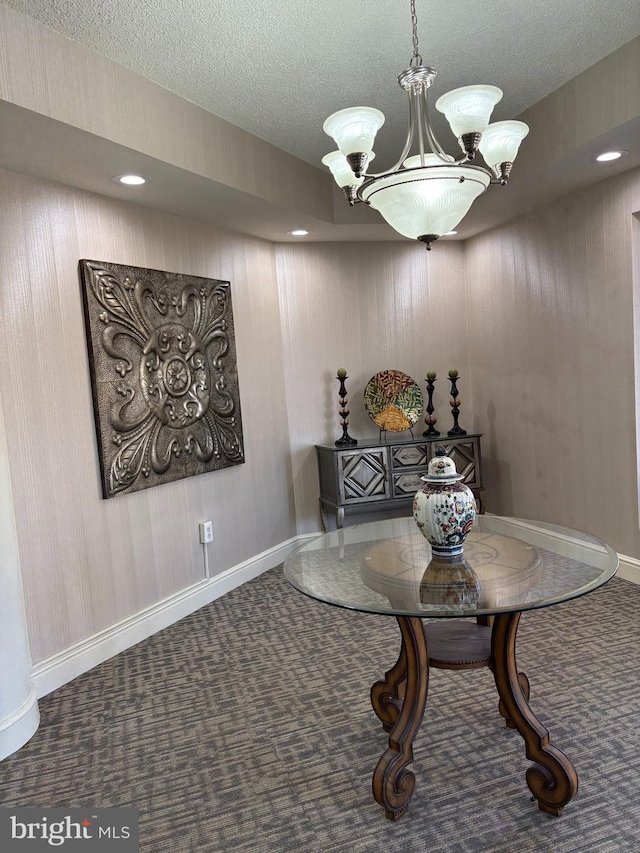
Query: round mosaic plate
point(393, 400)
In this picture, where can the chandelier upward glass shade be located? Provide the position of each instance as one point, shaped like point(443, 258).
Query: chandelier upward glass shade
point(424, 196)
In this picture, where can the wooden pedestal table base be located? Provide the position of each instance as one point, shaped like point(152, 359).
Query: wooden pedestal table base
point(399, 701)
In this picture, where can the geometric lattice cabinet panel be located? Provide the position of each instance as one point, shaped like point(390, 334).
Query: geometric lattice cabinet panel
point(164, 376)
point(465, 456)
point(363, 475)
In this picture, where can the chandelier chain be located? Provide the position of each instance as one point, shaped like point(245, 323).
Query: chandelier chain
point(416, 59)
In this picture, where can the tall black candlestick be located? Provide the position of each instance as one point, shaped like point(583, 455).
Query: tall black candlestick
point(430, 421)
point(455, 404)
point(345, 440)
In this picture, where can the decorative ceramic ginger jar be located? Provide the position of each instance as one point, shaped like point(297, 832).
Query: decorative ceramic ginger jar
point(444, 508)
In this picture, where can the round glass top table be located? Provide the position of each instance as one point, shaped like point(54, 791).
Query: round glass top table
point(508, 566)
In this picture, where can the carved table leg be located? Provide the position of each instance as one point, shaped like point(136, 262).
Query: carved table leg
point(552, 779)
point(522, 678)
point(393, 784)
point(526, 692)
point(387, 695)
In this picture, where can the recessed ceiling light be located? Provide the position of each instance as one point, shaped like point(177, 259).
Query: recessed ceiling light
point(130, 180)
point(450, 233)
point(606, 156)
point(299, 232)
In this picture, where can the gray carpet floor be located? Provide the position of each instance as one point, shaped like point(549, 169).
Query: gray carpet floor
point(247, 728)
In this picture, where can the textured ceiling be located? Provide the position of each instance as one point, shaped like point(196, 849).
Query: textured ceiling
point(279, 68)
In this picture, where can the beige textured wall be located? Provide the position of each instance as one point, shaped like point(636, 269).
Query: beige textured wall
point(542, 333)
point(88, 563)
point(365, 307)
point(57, 77)
point(602, 97)
point(552, 342)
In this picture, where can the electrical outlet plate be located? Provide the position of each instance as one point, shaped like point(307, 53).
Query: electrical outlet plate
point(206, 532)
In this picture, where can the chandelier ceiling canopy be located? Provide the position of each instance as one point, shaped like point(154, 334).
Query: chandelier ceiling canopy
point(426, 195)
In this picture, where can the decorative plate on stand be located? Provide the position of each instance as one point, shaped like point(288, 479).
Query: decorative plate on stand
point(393, 400)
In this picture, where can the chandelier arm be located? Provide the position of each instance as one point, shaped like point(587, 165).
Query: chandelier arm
point(431, 137)
point(441, 153)
point(420, 120)
point(405, 150)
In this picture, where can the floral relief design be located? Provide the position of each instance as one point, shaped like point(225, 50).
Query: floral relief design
point(164, 375)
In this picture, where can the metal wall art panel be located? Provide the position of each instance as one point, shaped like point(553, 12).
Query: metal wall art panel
point(164, 376)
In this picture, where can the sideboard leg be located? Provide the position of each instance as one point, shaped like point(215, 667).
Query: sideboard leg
point(324, 517)
point(340, 517)
point(387, 695)
point(552, 779)
point(393, 784)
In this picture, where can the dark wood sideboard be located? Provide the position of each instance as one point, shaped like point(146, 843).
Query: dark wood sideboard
point(383, 476)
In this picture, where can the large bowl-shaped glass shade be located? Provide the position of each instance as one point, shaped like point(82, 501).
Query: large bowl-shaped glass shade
point(469, 109)
point(431, 200)
point(354, 130)
point(341, 170)
point(501, 140)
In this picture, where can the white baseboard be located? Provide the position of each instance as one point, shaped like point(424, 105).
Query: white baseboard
point(629, 569)
point(17, 728)
point(63, 667)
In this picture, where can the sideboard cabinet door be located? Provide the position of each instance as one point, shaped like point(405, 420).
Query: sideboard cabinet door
point(363, 475)
point(465, 452)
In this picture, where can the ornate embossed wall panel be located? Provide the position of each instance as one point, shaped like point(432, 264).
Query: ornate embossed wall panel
point(163, 374)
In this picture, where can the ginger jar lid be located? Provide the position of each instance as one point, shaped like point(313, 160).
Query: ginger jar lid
point(442, 469)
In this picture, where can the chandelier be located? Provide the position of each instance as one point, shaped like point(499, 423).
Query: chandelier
point(426, 195)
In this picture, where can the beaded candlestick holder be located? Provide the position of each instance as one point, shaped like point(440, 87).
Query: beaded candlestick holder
point(455, 404)
point(430, 421)
point(345, 440)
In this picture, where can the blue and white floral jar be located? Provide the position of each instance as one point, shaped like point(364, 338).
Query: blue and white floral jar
point(444, 508)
